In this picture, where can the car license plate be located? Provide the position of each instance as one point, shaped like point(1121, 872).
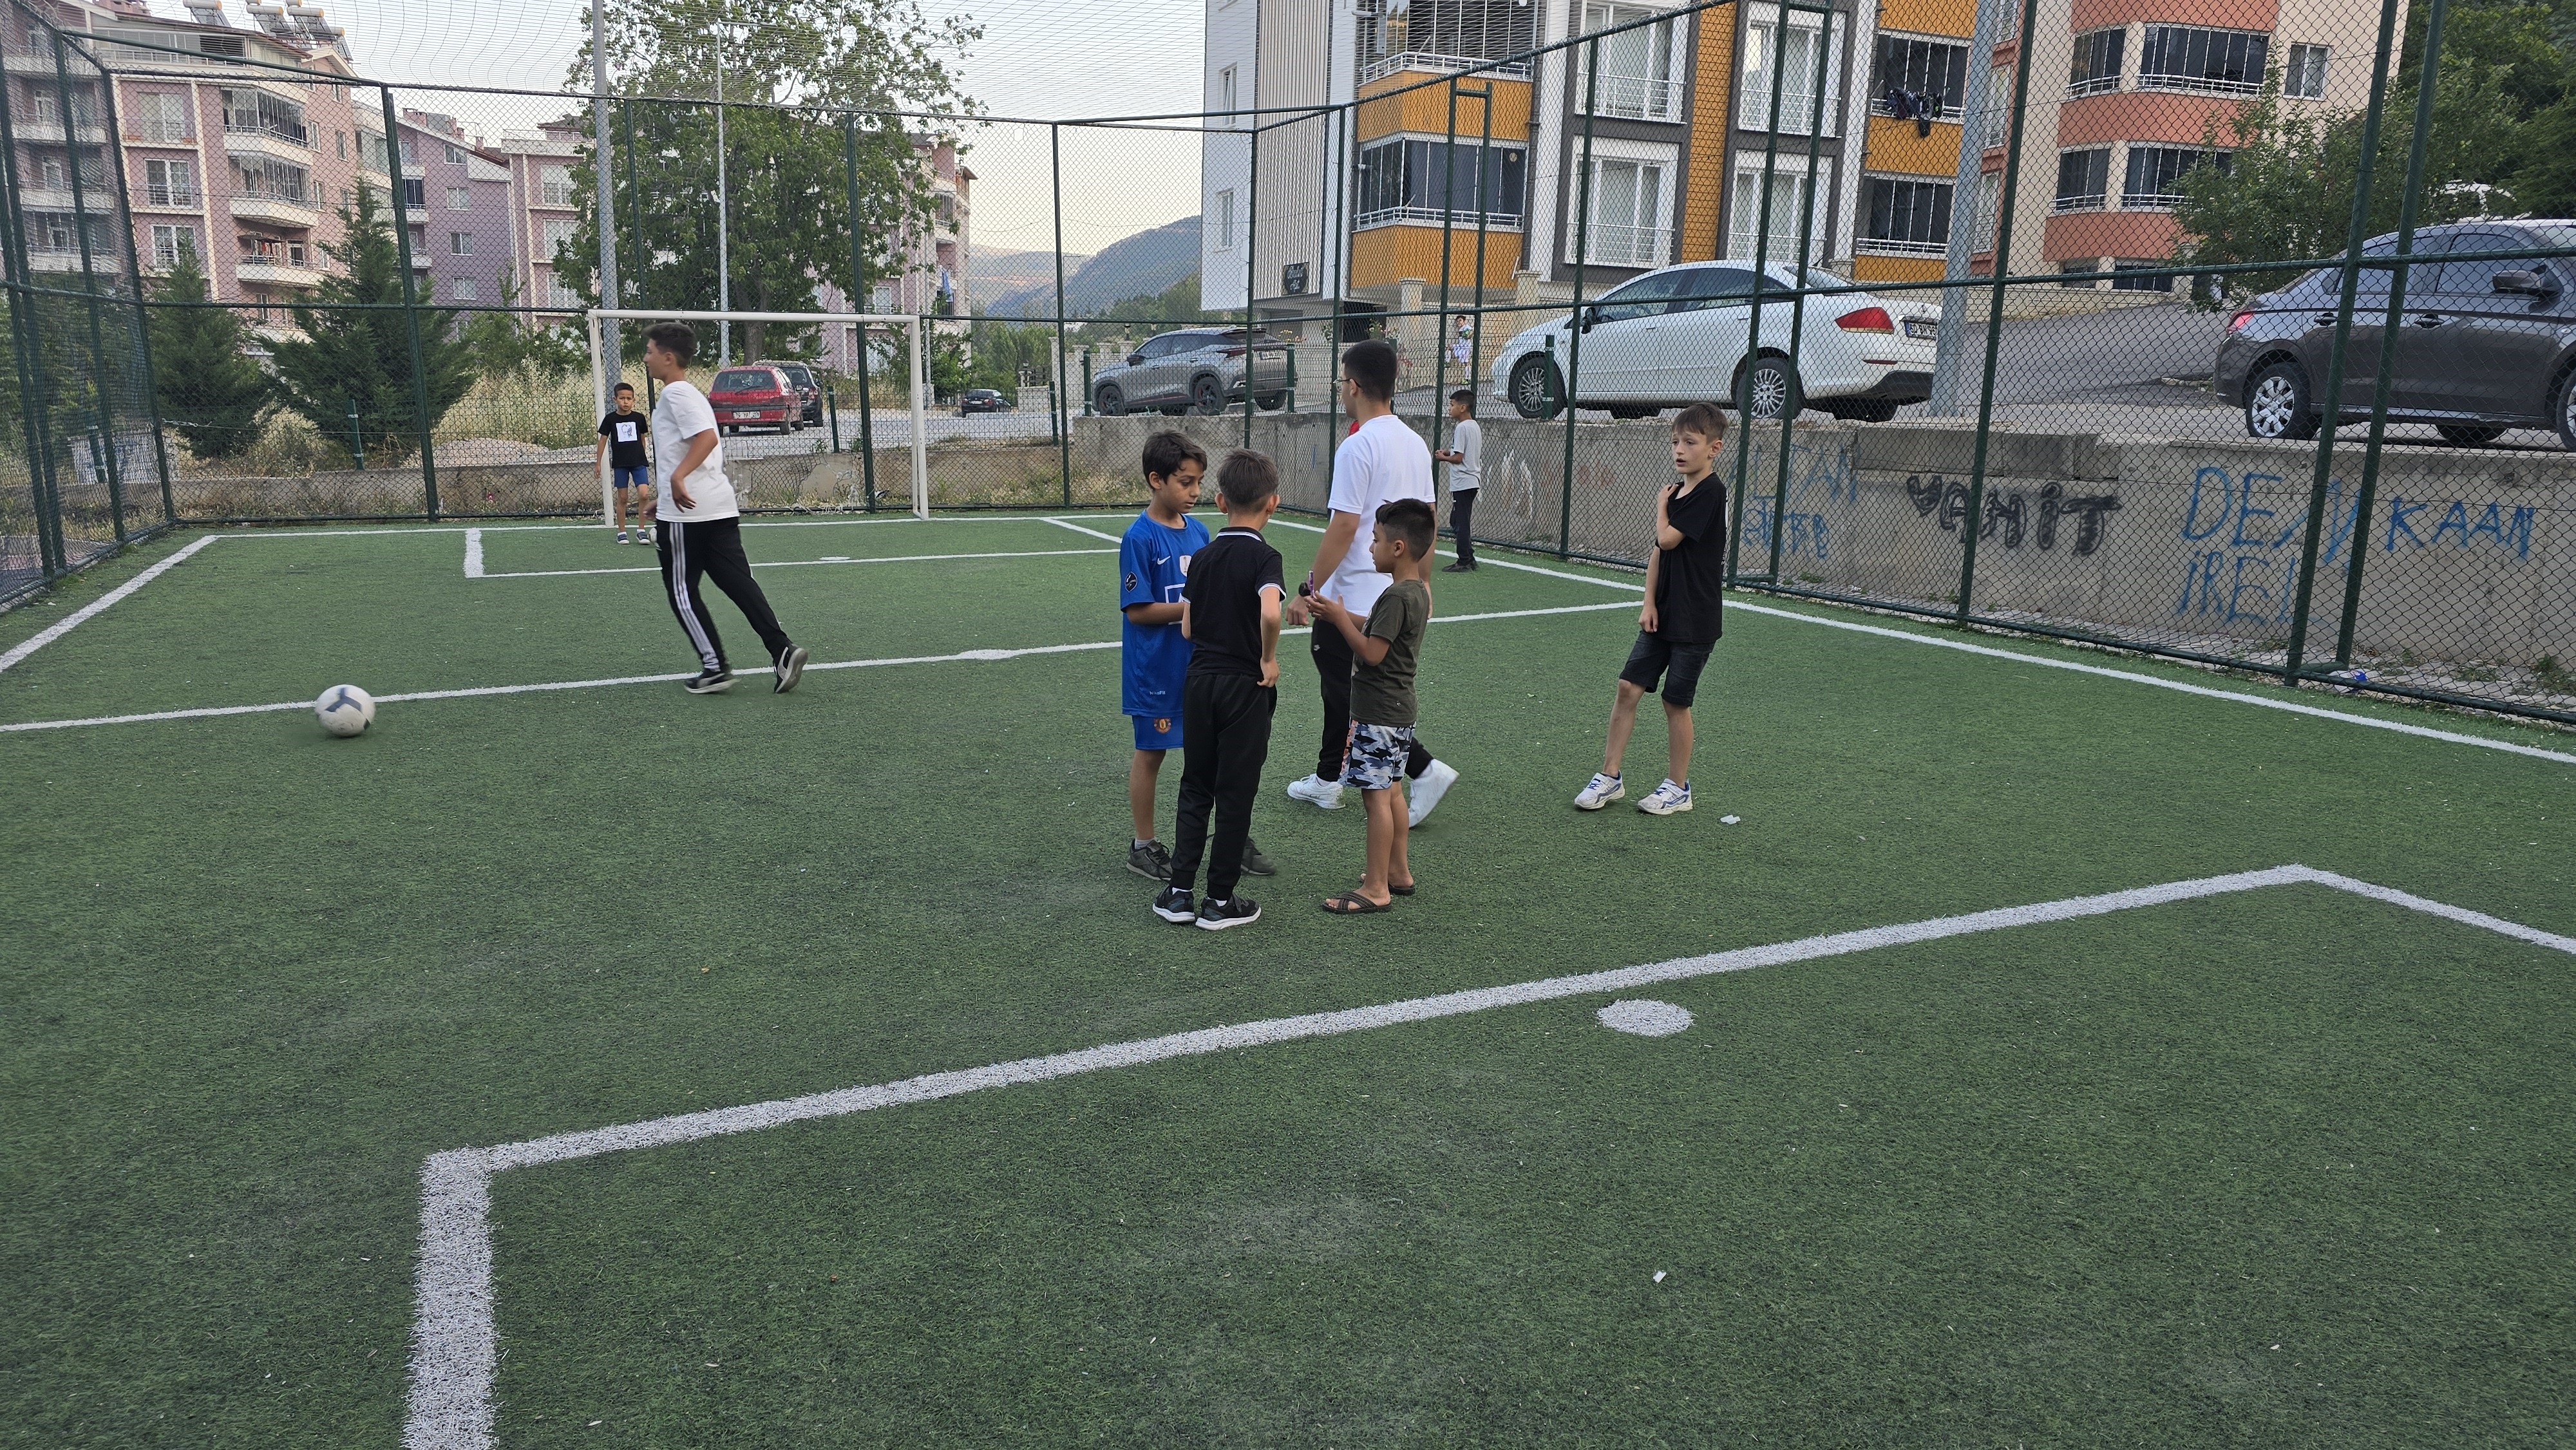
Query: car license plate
point(751, 414)
point(1916, 327)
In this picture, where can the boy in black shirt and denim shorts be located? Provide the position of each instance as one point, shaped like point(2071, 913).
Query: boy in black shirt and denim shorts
point(1685, 580)
point(1230, 607)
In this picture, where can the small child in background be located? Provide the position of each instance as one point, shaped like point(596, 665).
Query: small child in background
point(1384, 654)
point(1680, 623)
point(1466, 463)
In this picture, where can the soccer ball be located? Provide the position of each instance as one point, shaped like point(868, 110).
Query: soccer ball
point(345, 709)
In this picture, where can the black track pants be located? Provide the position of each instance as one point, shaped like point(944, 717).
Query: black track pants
point(713, 548)
point(1333, 669)
point(1462, 522)
point(1225, 738)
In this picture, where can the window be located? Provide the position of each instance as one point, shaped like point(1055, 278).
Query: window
point(460, 244)
point(557, 237)
point(2155, 174)
point(272, 252)
point(163, 117)
point(1788, 197)
point(1990, 193)
point(1225, 94)
point(2096, 66)
point(560, 293)
point(459, 199)
point(259, 113)
point(1649, 296)
point(414, 194)
point(170, 183)
point(1224, 220)
point(340, 139)
point(54, 174)
point(1406, 180)
point(451, 153)
point(2474, 276)
point(410, 156)
point(2083, 273)
point(1803, 60)
point(2083, 178)
point(275, 180)
point(1934, 70)
point(2181, 58)
point(1627, 222)
point(2305, 76)
point(371, 153)
point(1998, 117)
point(1906, 216)
point(554, 186)
point(170, 244)
point(2125, 278)
point(466, 291)
point(1638, 77)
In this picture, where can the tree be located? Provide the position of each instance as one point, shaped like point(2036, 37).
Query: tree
point(1006, 352)
point(509, 345)
point(350, 354)
point(212, 395)
point(794, 68)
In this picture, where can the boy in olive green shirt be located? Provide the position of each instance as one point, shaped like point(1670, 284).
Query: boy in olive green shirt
point(1384, 653)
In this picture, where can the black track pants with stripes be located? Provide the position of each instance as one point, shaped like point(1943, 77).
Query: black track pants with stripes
point(713, 548)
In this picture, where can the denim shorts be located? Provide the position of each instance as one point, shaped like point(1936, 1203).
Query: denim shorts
point(1676, 666)
point(1375, 756)
point(639, 476)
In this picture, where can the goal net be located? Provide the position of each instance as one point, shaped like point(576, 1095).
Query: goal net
point(867, 430)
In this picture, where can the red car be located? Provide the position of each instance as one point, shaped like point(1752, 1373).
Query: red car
point(753, 397)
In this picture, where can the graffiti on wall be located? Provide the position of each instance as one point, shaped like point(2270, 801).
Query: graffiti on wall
point(2009, 515)
point(2243, 565)
point(1817, 476)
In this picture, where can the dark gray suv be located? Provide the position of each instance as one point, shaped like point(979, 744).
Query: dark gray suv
point(2488, 343)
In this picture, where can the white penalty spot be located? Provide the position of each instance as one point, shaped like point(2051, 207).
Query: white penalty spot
point(1644, 1017)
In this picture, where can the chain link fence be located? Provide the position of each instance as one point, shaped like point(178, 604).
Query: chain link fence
point(2003, 348)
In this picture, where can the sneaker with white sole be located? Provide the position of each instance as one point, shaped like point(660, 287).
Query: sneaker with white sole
point(791, 668)
point(1176, 904)
point(1314, 789)
point(621, 536)
point(1254, 863)
point(1666, 799)
point(1602, 791)
point(709, 682)
point(1215, 915)
point(1152, 860)
point(1428, 788)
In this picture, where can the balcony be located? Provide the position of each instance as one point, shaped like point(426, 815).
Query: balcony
point(1440, 65)
point(276, 211)
point(278, 272)
point(263, 142)
point(2085, 201)
point(2197, 85)
point(1462, 220)
point(1631, 246)
point(168, 198)
point(44, 129)
point(1900, 247)
point(68, 259)
point(1630, 98)
point(2093, 86)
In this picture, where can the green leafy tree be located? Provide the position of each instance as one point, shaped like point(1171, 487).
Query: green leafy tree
point(1005, 352)
point(211, 394)
point(510, 345)
point(359, 355)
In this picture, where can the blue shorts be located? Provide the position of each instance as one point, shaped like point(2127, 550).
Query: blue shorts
point(640, 476)
point(1157, 732)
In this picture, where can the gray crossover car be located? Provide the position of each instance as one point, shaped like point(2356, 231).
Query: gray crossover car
point(2486, 344)
point(1199, 370)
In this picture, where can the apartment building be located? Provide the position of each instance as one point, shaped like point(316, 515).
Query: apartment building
point(545, 207)
point(1678, 120)
point(1917, 121)
point(457, 192)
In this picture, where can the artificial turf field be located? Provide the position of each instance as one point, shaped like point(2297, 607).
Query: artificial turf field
point(2282, 1166)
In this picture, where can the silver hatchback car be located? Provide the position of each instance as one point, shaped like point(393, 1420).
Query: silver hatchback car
point(1196, 370)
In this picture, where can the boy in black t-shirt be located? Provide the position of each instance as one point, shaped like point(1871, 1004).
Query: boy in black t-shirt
point(1685, 580)
point(1230, 608)
point(621, 445)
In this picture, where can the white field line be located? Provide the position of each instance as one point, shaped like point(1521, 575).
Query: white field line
point(474, 553)
point(474, 563)
point(1079, 529)
point(87, 611)
point(976, 656)
point(455, 1348)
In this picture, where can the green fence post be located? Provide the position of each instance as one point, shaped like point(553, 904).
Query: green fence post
point(2330, 403)
point(832, 411)
point(1761, 265)
point(1791, 405)
point(142, 317)
point(1059, 417)
point(357, 438)
point(411, 305)
point(1448, 232)
point(1574, 338)
point(2428, 65)
point(89, 276)
point(26, 339)
point(859, 304)
point(1251, 267)
point(1995, 311)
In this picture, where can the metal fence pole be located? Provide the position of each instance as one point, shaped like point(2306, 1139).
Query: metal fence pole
point(1341, 232)
point(634, 208)
point(1995, 308)
point(142, 317)
point(1966, 178)
point(1484, 220)
point(411, 304)
point(1582, 251)
point(1761, 264)
point(612, 350)
point(1063, 443)
point(859, 303)
point(2330, 404)
point(89, 281)
point(1790, 406)
point(1251, 264)
point(1448, 232)
point(2428, 67)
point(26, 339)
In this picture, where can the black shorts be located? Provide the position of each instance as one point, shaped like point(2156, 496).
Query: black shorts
point(1654, 656)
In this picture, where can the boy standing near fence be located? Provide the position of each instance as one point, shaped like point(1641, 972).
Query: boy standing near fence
point(1466, 462)
point(1384, 652)
point(1679, 625)
point(621, 447)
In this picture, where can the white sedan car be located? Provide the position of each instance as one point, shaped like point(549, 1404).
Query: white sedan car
point(1684, 334)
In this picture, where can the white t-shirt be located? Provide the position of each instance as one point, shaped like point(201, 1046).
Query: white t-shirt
point(1382, 462)
point(680, 414)
point(1468, 442)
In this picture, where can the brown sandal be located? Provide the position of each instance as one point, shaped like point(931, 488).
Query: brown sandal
point(1351, 903)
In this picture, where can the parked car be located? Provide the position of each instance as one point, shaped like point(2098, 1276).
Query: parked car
point(1197, 370)
point(1684, 334)
point(809, 392)
point(981, 400)
point(753, 396)
point(2488, 343)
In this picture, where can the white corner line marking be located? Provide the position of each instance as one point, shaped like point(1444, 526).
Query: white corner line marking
point(474, 552)
point(474, 562)
point(455, 1345)
point(90, 610)
point(1079, 529)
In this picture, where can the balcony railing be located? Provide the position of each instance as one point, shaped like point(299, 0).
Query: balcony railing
point(2150, 200)
point(276, 191)
point(1634, 98)
point(1950, 111)
point(2197, 85)
point(1901, 247)
point(268, 126)
point(2090, 201)
point(2097, 85)
point(171, 196)
point(1630, 246)
point(1462, 219)
point(1423, 60)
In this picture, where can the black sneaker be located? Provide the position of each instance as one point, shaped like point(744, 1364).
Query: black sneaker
point(1177, 905)
point(1153, 860)
point(791, 668)
point(709, 682)
point(1215, 915)
point(1463, 566)
point(1256, 864)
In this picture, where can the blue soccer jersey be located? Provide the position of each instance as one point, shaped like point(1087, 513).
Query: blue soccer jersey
point(1152, 563)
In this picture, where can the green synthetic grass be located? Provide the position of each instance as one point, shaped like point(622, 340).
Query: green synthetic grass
point(2062, 1185)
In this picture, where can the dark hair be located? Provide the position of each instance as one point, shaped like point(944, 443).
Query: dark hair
point(1245, 479)
point(676, 338)
point(623, 388)
point(1371, 365)
point(1166, 451)
point(1408, 522)
point(1466, 396)
point(1703, 419)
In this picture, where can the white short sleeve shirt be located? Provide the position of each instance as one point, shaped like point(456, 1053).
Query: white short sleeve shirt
point(680, 414)
point(1382, 462)
point(1468, 473)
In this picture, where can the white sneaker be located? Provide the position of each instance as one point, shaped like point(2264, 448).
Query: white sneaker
point(621, 536)
point(1322, 793)
point(1428, 788)
point(1667, 799)
point(1602, 791)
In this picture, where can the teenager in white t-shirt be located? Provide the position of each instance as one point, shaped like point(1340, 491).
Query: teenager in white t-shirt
point(701, 531)
point(1382, 461)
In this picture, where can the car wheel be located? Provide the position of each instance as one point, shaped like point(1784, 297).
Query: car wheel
point(2565, 412)
point(2277, 403)
point(1207, 398)
point(1111, 401)
point(1536, 388)
point(1272, 402)
point(2470, 435)
point(1770, 390)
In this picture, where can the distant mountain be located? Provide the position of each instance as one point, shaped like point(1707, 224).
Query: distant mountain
point(997, 271)
point(1143, 265)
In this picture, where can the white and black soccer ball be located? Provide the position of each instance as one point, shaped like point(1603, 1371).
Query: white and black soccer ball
point(345, 710)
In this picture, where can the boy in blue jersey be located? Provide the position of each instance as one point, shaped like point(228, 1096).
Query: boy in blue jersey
point(1154, 656)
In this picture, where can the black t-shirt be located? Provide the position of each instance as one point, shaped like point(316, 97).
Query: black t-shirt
point(625, 433)
point(1224, 587)
point(1690, 583)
